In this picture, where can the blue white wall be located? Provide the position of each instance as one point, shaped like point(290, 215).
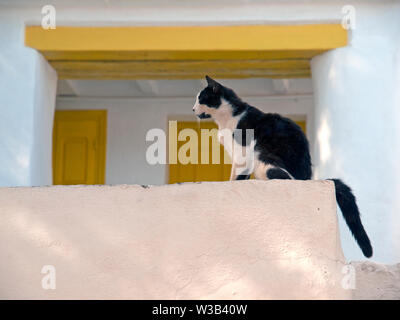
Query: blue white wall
point(357, 122)
point(27, 100)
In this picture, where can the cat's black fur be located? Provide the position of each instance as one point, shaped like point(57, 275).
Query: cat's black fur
point(281, 143)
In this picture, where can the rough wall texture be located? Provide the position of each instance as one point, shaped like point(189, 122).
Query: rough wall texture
point(233, 240)
point(377, 281)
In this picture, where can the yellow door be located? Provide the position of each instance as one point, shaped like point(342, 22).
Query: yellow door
point(199, 172)
point(203, 172)
point(79, 147)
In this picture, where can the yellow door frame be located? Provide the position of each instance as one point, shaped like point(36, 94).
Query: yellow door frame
point(185, 52)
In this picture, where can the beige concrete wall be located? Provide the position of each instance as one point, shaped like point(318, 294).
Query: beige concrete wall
point(231, 240)
point(375, 281)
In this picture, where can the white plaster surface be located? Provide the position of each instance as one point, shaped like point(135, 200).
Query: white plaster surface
point(227, 240)
point(27, 102)
point(357, 128)
point(376, 281)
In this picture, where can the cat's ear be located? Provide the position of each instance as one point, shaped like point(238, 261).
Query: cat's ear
point(213, 84)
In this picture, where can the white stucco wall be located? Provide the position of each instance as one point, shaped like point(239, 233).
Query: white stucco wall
point(116, 242)
point(27, 91)
point(157, 12)
point(357, 125)
point(130, 119)
point(44, 104)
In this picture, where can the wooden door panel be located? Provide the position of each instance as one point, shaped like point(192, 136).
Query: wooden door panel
point(79, 147)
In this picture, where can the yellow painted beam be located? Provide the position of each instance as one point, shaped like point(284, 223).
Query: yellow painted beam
point(179, 55)
point(180, 69)
point(181, 66)
point(184, 52)
point(187, 39)
point(101, 75)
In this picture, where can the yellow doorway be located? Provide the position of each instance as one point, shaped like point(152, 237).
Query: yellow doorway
point(79, 147)
point(203, 172)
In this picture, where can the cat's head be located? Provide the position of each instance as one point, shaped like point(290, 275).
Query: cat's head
point(210, 100)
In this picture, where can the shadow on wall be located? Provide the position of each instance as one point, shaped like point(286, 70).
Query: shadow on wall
point(240, 240)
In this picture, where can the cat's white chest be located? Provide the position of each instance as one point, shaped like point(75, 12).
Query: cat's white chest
point(226, 130)
point(225, 137)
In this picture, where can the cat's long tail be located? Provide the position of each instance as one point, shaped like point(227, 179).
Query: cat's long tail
point(348, 206)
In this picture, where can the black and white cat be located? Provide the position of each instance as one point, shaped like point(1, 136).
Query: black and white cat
point(281, 149)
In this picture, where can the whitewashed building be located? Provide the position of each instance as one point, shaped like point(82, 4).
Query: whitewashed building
point(332, 65)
